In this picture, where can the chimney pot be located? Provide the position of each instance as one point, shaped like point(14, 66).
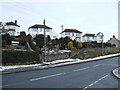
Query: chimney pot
point(15, 21)
point(62, 27)
point(113, 36)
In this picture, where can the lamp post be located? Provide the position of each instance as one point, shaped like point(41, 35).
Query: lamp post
point(44, 42)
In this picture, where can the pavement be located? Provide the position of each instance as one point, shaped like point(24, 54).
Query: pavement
point(47, 65)
point(116, 72)
point(97, 74)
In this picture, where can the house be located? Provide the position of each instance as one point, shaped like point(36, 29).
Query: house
point(11, 28)
point(39, 29)
point(114, 41)
point(88, 37)
point(99, 37)
point(72, 34)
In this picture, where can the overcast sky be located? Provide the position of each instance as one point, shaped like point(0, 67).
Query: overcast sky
point(87, 17)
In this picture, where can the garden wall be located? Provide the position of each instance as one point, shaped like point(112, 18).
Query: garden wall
point(28, 57)
point(51, 57)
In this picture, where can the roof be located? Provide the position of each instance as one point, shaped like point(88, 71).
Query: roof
point(89, 35)
point(111, 39)
point(39, 26)
point(71, 30)
point(12, 23)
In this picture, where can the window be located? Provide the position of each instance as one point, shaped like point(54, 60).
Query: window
point(77, 34)
point(72, 34)
point(47, 30)
point(34, 30)
point(78, 39)
point(67, 33)
point(40, 29)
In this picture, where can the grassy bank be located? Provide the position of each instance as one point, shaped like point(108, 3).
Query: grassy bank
point(90, 54)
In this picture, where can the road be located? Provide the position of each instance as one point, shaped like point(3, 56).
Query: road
point(95, 74)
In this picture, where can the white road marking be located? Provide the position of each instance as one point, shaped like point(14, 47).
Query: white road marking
point(97, 65)
point(90, 85)
point(47, 76)
point(80, 69)
point(95, 82)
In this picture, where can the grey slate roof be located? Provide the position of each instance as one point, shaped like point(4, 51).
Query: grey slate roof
point(40, 26)
point(71, 30)
point(12, 23)
point(89, 35)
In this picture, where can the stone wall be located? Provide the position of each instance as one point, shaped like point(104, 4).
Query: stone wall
point(51, 57)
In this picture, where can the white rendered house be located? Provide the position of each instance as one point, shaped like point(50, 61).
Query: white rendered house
point(39, 29)
point(88, 37)
point(72, 34)
point(11, 28)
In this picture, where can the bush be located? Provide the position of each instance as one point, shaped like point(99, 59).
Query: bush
point(6, 40)
point(19, 57)
point(39, 40)
point(73, 48)
point(70, 45)
point(79, 45)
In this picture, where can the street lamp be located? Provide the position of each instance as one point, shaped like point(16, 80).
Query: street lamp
point(102, 40)
point(44, 42)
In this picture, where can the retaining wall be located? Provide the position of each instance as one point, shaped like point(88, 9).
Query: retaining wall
point(50, 57)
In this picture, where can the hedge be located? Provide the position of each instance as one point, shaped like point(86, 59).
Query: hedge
point(19, 57)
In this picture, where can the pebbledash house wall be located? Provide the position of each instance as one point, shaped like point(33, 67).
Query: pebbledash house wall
point(51, 57)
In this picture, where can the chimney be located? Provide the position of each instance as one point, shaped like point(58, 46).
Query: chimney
point(113, 36)
point(16, 22)
point(61, 27)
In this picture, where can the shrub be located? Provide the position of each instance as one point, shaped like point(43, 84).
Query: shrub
point(79, 45)
point(19, 57)
point(73, 48)
point(6, 40)
point(39, 40)
point(70, 45)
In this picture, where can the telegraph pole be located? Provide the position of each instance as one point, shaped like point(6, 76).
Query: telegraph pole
point(44, 42)
point(102, 44)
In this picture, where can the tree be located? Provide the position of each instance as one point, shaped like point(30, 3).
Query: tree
point(32, 45)
point(66, 40)
point(48, 41)
point(70, 45)
point(6, 39)
point(74, 43)
point(54, 42)
point(84, 44)
point(48, 38)
point(39, 40)
point(23, 39)
point(79, 45)
point(63, 42)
